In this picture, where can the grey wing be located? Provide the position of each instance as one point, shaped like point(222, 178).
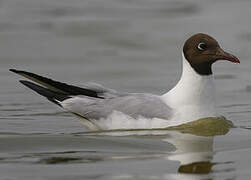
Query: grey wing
point(99, 88)
point(102, 91)
point(131, 104)
point(94, 101)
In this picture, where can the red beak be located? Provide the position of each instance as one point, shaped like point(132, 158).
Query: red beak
point(222, 55)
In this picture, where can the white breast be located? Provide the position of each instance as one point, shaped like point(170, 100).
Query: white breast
point(193, 96)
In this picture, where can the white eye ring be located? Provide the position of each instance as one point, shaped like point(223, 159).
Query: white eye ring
point(201, 46)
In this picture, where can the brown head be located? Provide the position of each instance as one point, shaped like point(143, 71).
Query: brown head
point(201, 51)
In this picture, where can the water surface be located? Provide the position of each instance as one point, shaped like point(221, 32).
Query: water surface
point(132, 46)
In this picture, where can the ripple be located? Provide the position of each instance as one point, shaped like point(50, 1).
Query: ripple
point(246, 36)
point(41, 114)
point(225, 76)
point(60, 160)
point(248, 88)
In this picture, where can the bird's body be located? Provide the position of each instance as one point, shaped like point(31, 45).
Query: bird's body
point(101, 108)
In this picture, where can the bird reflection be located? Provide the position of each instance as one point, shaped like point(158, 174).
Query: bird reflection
point(193, 144)
point(194, 149)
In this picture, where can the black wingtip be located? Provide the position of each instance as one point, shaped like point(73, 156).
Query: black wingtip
point(15, 71)
point(34, 86)
point(26, 83)
point(31, 85)
point(50, 95)
point(55, 86)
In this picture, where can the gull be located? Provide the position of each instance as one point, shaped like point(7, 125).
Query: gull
point(101, 108)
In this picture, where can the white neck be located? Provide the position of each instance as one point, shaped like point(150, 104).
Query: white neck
point(193, 96)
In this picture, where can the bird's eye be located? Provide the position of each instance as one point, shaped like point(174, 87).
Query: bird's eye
point(202, 46)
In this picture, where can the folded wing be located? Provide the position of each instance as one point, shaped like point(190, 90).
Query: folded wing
point(94, 101)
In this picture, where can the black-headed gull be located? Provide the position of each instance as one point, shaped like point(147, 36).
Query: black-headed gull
point(101, 108)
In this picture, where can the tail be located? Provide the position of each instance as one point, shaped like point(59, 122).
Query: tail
point(53, 90)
